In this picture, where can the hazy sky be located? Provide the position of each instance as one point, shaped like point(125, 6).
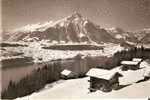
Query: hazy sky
point(127, 14)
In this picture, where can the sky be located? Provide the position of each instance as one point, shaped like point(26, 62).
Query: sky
point(130, 15)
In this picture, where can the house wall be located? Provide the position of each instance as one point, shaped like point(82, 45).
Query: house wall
point(114, 79)
point(96, 83)
point(132, 67)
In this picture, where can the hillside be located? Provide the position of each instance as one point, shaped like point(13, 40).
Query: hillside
point(121, 35)
point(78, 88)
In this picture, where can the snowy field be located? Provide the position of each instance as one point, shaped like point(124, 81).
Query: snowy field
point(78, 88)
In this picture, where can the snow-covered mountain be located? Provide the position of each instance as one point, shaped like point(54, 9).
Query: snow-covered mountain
point(140, 36)
point(144, 36)
point(74, 28)
point(5, 36)
point(122, 35)
point(77, 29)
point(117, 33)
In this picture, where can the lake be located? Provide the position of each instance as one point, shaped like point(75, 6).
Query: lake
point(16, 73)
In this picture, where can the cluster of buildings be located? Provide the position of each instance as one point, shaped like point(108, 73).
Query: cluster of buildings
point(132, 65)
point(105, 80)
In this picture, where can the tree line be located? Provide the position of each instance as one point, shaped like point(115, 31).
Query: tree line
point(119, 56)
point(32, 82)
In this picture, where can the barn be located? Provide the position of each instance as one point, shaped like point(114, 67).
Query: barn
point(103, 80)
point(130, 65)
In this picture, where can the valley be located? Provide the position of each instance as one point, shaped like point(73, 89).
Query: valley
point(74, 43)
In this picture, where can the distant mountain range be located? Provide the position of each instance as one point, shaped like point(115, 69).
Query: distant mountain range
point(76, 29)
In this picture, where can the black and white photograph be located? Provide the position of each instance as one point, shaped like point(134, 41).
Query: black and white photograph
point(74, 49)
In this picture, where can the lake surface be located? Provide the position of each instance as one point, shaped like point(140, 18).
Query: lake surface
point(15, 73)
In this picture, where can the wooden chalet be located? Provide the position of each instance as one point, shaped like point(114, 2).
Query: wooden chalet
point(137, 59)
point(130, 65)
point(104, 80)
point(67, 74)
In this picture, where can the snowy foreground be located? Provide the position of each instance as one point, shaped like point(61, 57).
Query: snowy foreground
point(78, 88)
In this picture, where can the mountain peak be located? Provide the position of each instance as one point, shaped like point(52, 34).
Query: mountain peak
point(116, 30)
point(73, 28)
point(76, 14)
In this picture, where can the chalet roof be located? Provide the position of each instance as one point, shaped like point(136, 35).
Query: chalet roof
point(137, 59)
point(129, 63)
point(66, 72)
point(100, 73)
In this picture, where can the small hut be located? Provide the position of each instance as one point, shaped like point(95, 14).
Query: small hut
point(130, 65)
point(137, 59)
point(67, 74)
point(104, 80)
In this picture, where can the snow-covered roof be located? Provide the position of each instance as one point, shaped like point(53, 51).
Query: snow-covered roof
point(137, 59)
point(66, 72)
point(129, 62)
point(100, 73)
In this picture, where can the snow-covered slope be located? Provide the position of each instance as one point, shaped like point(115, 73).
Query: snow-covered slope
point(141, 36)
point(74, 28)
point(34, 27)
point(77, 29)
point(78, 88)
point(122, 35)
point(145, 38)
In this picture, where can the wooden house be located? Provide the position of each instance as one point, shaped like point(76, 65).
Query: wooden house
point(103, 80)
point(67, 74)
point(137, 59)
point(130, 65)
